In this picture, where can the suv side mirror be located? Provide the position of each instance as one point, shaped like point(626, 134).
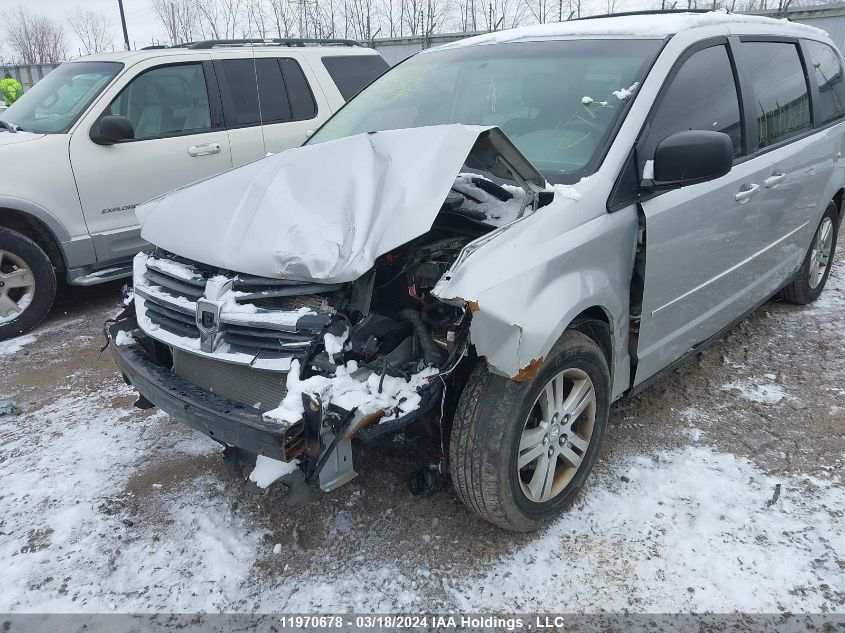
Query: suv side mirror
point(690, 157)
point(113, 129)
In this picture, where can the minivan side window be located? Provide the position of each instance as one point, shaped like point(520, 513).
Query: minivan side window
point(701, 96)
point(825, 69)
point(780, 98)
point(165, 101)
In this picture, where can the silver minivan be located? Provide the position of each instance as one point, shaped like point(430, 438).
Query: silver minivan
point(492, 243)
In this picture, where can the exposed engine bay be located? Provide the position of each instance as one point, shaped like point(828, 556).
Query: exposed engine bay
point(364, 358)
point(314, 317)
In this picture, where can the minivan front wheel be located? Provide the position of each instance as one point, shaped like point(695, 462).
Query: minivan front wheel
point(520, 451)
point(27, 284)
point(812, 276)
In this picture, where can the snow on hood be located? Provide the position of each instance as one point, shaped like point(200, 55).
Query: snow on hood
point(325, 212)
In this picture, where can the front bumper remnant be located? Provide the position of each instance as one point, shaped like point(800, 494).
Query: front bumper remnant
point(221, 419)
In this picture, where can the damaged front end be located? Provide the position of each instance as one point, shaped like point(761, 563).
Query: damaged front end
point(294, 368)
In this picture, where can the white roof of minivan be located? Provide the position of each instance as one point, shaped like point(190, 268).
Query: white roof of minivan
point(656, 25)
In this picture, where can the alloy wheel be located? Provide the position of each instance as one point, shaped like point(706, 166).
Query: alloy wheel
point(820, 255)
point(17, 286)
point(556, 435)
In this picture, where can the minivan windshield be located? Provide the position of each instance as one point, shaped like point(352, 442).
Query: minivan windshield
point(558, 101)
point(54, 104)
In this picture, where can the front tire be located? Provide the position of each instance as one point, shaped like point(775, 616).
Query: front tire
point(521, 451)
point(27, 284)
point(812, 276)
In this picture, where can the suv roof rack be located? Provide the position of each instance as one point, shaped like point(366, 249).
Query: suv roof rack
point(276, 41)
point(643, 12)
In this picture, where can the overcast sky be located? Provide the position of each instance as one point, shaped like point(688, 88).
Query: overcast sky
point(141, 21)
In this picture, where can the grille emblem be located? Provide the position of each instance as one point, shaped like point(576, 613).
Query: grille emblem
point(208, 314)
point(208, 322)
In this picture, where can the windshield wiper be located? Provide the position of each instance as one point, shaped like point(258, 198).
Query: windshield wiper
point(9, 126)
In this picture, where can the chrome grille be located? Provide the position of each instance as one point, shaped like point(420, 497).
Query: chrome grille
point(172, 286)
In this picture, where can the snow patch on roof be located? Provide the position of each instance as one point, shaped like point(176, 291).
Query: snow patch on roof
point(639, 26)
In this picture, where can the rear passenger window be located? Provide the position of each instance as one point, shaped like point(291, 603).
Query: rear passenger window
point(271, 91)
point(826, 70)
point(350, 73)
point(239, 92)
point(302, 102)
point(702, 96)
point(781, 102)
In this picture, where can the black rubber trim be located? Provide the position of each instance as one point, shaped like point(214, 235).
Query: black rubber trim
point(219, 418)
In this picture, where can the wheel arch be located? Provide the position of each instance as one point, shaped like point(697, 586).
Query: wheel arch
point(837, 200)
point(36, 230)
point(595, 323)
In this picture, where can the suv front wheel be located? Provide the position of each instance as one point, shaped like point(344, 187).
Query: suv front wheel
point(520, 451)
point(27, 284)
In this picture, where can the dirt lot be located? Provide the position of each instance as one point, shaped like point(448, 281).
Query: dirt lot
point(718, 489)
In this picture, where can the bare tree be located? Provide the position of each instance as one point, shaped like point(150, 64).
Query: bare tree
point(257, 18)
point(539, 10)
point(283, 17)
point(33, 38)
point(179, 18)
point(221, 19)
point(92, 29)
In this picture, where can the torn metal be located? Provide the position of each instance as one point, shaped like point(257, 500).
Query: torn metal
point(337, 301)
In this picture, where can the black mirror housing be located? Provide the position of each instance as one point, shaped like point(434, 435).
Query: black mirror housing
point(113, 129)
point(690, 157)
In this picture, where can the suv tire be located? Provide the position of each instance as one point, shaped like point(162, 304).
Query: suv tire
point(810, 279)
point(499, 424)
point(25, 271)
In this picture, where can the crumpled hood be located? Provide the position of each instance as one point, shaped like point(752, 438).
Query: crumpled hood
point(11, 138)
point(325, 212)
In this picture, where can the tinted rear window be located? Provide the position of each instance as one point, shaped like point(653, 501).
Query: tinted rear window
point(350, 73)
point(781, 100)
point(239, 92)
point(271, 91)
point(826, 69)
point(302, 102)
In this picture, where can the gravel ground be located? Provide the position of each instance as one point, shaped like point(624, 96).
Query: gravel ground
point(718, 489)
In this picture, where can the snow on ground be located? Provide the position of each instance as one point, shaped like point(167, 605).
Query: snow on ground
point(14, 345)
point(690, 530)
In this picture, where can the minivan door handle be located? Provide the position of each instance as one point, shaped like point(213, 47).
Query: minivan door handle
point(203, 150)
point(774, 179)
point(746, 192)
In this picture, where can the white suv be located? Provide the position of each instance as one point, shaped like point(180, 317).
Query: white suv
point(101, 134)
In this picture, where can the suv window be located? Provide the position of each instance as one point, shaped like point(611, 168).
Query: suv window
point(702, 96)
point(282, 93)
point(301, 99)
point(826, 69)
point(350, 73)
point(781, 100)
point(272, 96)
point(239, 92)
point(165, 101)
